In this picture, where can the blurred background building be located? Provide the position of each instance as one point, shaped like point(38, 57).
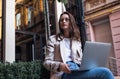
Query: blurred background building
point(98, 20)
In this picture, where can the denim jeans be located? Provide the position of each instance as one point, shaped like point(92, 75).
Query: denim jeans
point(72, 65)
point(95, 73)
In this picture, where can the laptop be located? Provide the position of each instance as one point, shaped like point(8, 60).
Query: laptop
point(95, 54)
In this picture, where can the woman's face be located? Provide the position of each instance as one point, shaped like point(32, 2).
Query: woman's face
point(64, 22)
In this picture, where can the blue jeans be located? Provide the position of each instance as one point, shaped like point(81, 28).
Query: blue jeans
point(95, 73)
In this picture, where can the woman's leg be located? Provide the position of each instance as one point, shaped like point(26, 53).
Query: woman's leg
point(95, 73)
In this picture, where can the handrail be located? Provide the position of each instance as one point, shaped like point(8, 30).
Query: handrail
point(114, 58)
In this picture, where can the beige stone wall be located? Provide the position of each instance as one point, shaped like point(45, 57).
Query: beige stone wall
point(115, 27)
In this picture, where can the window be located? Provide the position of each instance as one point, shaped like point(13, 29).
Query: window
point(29, 15)
point(18, 21)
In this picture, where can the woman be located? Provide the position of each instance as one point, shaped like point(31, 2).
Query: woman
point(64, 53)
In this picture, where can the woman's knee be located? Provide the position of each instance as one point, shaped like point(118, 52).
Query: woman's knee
point(105, 71)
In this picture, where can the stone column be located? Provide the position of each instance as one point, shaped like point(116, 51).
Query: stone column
point(9, 31)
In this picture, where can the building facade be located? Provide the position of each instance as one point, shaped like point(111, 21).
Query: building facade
point(30, 28)
point(102, 19)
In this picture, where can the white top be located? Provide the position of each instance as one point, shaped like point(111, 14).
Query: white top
point(67, 49)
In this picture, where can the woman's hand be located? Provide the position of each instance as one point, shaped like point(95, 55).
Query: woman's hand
point(65, 68)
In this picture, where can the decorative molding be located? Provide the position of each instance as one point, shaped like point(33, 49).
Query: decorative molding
point(102, 11)
point(102, 7)
point(94, 3)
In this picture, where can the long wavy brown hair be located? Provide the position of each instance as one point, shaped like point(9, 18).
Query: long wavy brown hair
point(73, 32)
